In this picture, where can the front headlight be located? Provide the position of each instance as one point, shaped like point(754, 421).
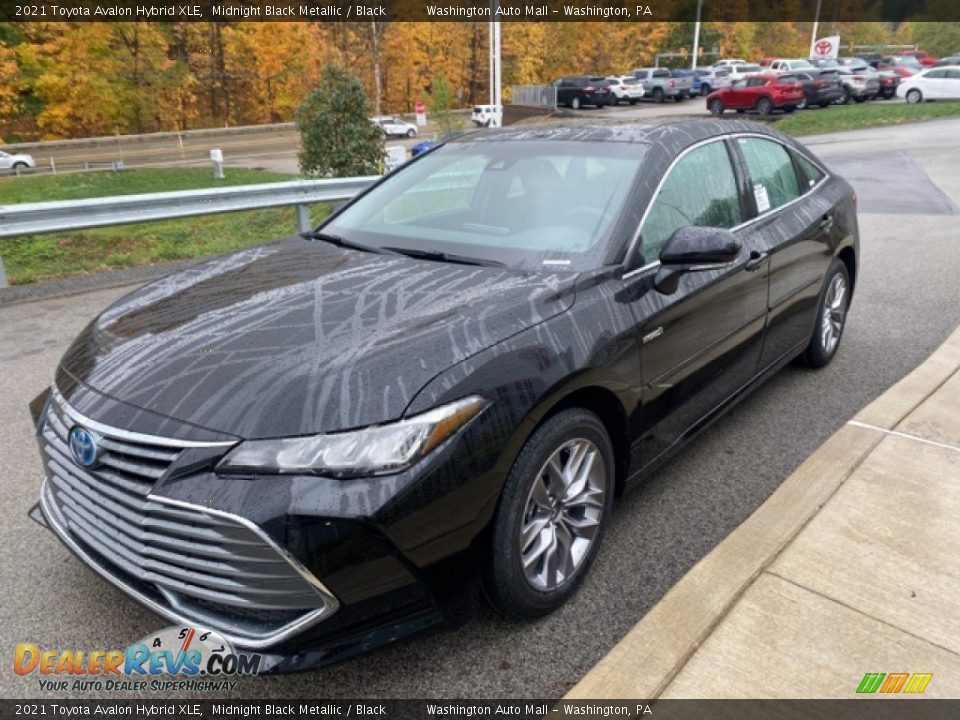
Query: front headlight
point(375, 450)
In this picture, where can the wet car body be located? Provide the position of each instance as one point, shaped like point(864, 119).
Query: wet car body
point(304, 337)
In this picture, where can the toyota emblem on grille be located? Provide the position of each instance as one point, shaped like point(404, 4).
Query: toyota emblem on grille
point(83, 445)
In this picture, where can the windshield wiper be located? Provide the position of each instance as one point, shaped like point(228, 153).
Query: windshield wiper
point(444, 257)
point(340, 241)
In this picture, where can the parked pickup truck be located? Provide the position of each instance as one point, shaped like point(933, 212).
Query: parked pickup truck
point(659, 84)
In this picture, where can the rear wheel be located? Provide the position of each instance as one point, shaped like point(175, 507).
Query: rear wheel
point(914, 96)
point(705, 89)
point(764, 106)
point(803, 104)
point(845, 98)
point(831, 316)
point(633, 101)
point(551, 516)
point(575, 103)
point(658, 94)
point(716, 106)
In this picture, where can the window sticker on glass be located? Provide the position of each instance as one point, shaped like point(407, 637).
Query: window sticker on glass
point(763, 201)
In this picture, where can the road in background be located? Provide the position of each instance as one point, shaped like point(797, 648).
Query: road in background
point(269, 147)
point(907, 300)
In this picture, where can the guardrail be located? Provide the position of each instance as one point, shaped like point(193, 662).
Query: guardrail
point(50, 217)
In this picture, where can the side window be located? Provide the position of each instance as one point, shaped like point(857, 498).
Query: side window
point(936, 74)
point(953, 74)
point(811, 173)
point(701, 190)
point(772, 176)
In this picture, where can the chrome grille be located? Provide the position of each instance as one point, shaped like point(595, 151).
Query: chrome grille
point(186, 562)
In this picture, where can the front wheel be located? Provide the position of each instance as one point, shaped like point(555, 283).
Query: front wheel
point(716, 106)
point(551, 516)
point(803, 105)
point(575, 103)
point(705, 89)
point(914, 96)
point(845, 98)
point(411, 133)
point(19, 165)
point(831, 316)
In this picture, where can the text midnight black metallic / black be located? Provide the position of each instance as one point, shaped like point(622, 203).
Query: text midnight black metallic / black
point(315, 446)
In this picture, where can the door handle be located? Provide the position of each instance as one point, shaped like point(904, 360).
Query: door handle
point(756, 260)
point(826, 223)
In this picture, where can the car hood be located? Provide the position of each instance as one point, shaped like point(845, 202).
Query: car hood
point(301, 337)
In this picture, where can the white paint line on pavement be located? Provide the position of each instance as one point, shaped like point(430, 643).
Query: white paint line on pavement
point(908, 436)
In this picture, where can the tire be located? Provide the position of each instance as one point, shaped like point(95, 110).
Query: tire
point(860, 100)
point(658, 94)
point(705, 89)
point(764, 106)
point(740, 112)
point(824, 104)
point(575, 102)
point(914, 96)
point(803, 105)
point(716, 106)
point(831, 317)
point(678, 98)
point(845, 98)
point(789, 109)
point(526, 501)
point(19, 165)
point(411, 133)
point(633, 101)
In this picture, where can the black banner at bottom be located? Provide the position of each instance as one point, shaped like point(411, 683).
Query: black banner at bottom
point(854, 709)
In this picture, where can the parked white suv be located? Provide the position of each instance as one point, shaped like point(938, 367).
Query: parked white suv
point(16, 161)
point(625, 87)
point(482, 115)
point(727, 62)
point(395, 127)
point(780, 65)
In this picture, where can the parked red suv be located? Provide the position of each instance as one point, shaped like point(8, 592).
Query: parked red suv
point(764, 92)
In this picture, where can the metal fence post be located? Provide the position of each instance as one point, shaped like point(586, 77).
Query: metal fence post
point(3, 274)
point(303, 218)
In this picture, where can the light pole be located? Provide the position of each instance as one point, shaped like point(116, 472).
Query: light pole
point(816, 22)
point(696, 36)
point(496, 99)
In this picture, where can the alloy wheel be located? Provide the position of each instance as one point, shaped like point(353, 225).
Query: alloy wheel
point(833, 314)
point(562, 515)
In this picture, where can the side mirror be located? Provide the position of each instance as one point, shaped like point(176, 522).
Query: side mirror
point(693, 249)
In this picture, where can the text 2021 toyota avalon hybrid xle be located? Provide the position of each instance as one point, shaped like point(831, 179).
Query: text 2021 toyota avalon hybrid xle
point(314, 446)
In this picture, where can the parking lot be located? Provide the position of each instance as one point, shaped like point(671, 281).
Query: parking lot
point(905, 304)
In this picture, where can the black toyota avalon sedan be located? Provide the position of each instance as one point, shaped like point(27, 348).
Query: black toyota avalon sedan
point(324, 444)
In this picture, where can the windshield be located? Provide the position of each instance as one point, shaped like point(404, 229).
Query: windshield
point(531, 205)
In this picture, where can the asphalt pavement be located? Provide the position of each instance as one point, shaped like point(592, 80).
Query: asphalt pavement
point(906, 302)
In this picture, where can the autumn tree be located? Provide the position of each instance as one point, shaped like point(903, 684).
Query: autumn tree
point(336, 136)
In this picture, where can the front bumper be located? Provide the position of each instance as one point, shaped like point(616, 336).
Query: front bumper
point(303, 570)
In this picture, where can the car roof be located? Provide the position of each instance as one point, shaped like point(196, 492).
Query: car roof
point(673, 134)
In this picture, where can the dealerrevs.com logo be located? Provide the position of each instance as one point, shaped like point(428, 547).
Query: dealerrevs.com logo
point(198, 660)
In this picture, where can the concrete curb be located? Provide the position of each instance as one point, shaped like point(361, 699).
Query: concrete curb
point(647, 659)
